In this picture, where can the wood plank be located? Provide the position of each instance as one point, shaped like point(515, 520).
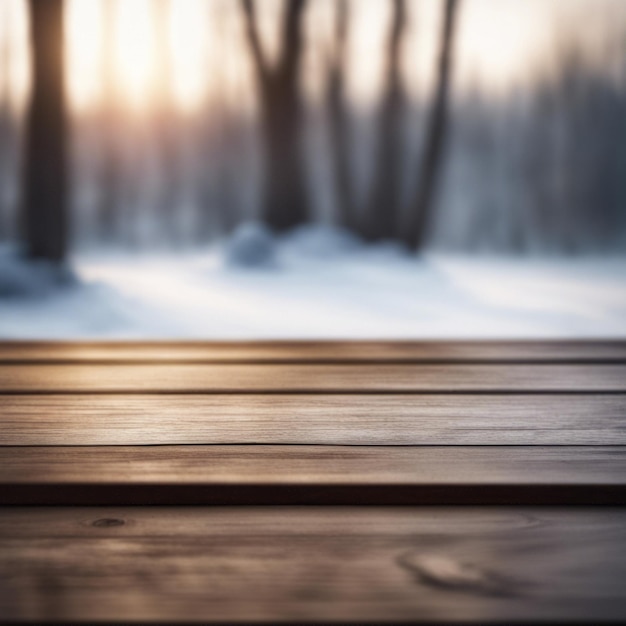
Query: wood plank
point(229, 378)
point(299, 565)
point(350, 465)
point(314, 351)
point(312, 475)
point(313, 419)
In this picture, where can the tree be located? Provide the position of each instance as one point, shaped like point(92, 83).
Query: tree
point(7, 131)
point(285, 201)
point(339, 121)
point(44, 182)
point(384, 205)
point(110, 174)
point(436, 130)
point(166, 131)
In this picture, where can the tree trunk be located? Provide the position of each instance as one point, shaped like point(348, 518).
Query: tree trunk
point(285, 201)
point(384, 205)
point(110, 174)
point(436, 130)
point(167, 131)
point(45, 165)
point(7, 144)
point(340, 124)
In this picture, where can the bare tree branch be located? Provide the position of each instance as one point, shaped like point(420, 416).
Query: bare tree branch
point(384, 202)
point(436, 134)
point(254, 40)
point(285, 197)
point(292, 37)
point(339, 120)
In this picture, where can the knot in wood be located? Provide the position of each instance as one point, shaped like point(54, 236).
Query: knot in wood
point(108, 522)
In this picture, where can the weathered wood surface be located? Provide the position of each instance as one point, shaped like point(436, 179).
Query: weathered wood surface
point(283, 564)
point(290, 378)
point(350, 465)
point(315, 351)
point(312, 475)
point(415, 423)
point(427, 419)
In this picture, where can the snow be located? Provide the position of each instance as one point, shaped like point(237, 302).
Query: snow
point(28, 280)
point(315, 283)
point(252, 245)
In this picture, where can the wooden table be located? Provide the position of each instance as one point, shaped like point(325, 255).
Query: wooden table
point(313, 482)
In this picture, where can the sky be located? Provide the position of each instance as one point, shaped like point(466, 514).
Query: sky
point(501, 45)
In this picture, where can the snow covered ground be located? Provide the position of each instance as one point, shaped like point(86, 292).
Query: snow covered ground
point(313, 284)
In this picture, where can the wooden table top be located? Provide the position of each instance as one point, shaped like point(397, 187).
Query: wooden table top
point(448, 482)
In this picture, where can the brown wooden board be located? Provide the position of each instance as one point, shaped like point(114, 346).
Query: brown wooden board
point(312, 475)
point(237, 464)
point(272, 378)
point(313, 419)
point(286, 423)
point(298, 565)
point(314, 351)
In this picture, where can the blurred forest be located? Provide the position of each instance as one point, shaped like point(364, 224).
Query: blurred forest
point(463, 125)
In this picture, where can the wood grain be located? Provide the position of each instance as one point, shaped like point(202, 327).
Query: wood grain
point(350, 465)
point(313, 419)
point(257, 423)
point(196, 475)
point(300, 565)
point(271, 378)
point(313, 351)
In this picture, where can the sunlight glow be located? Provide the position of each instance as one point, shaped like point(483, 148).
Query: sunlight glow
point(188, 48)
point(500, 41)
point(14, 68)
point(135, 51)
point(140, 60)
point(193, 51)
point(84, 49)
